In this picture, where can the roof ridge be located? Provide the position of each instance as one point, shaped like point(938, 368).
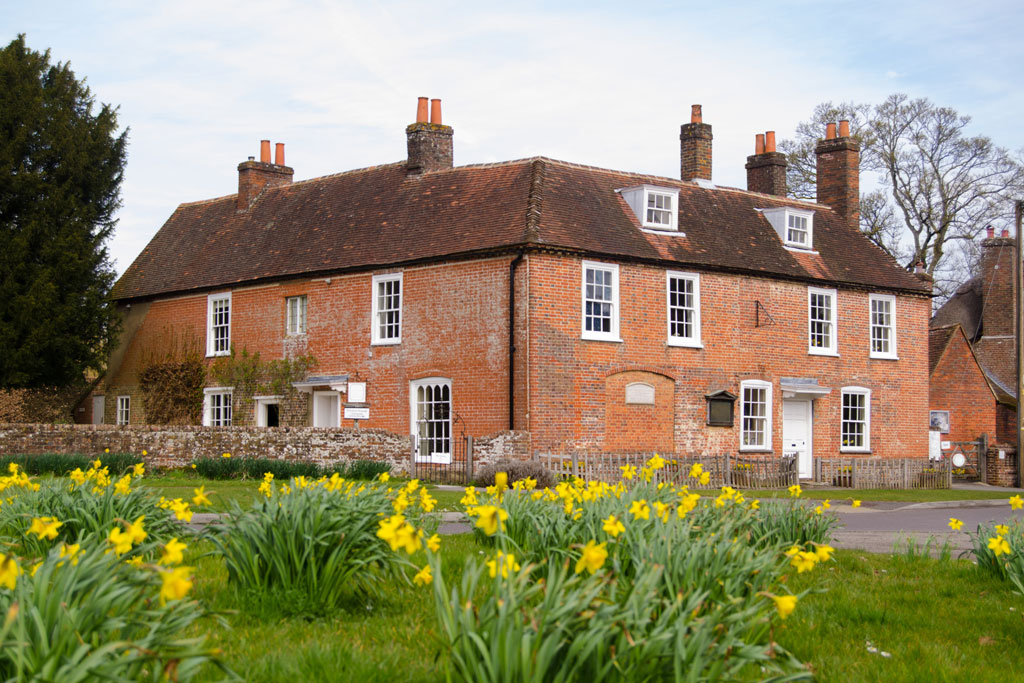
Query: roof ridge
point(534, 200)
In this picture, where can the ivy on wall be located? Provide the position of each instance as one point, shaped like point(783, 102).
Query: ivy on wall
point(171, 380)
point(250, 376)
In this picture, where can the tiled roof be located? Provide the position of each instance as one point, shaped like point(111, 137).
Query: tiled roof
point(380, 216)
point(964, 308)
point(938, 340)
point(996, 355)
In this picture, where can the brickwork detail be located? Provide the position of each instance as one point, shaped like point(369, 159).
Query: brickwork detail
point(838, 169)
point(1002, 471)
point(429, 147)
point(997, 281)
point(959, 386)
point(766, 173)
point(695, 151)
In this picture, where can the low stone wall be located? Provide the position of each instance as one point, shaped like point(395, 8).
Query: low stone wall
point(1001, 471)
point(177, 446)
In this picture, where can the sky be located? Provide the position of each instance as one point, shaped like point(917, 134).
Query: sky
point(199, 84)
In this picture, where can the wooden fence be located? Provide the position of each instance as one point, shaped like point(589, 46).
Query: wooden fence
point(759, 472)
point(724, 470)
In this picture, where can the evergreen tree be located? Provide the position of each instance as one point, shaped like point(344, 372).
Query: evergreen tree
point(61, 168)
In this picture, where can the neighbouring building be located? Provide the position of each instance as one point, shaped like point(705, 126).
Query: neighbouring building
point(597, 310)
point(983, 309)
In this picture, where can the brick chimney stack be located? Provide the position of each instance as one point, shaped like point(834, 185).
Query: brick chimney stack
point(766, 168)
point(997, 284)
point(254, 175)
point(839, 173)
point(695, 147)
point(429, 142)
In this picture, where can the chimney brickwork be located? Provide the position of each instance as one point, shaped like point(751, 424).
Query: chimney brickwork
point(997, 286)
point(430, 143)
point(695, 147)
point(838, 167)
point(766, 168)
point(253, 176)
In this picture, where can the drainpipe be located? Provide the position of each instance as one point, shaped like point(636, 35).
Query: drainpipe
point(511, 339)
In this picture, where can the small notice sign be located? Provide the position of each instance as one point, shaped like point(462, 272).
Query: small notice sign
point(357, 413)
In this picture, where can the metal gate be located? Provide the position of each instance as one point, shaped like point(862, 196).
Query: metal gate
point(966, 458)
point(458, 470)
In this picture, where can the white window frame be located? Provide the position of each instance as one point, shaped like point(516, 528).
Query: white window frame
point(124, 410)
point(767, 417)
point(613, 334)
point(779, 218)
point(833, 328)
point(211, 343)
point(639, 198)
point(440, 430)
point(891, 327)
point(214, 416)
point(261, 403)
point(295, 320)
point(376, 313)
point(694, 339)
point(866, 394)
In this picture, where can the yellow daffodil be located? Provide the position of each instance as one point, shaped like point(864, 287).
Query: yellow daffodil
point(9, 571)
point(423, 577)
point(696, 469)
point(144, 452)
point(1002, 529)
point(656, 463)
point(181, 510)
point(139, 469)
point(385, 477)
point(225, 455)
point(193, 465)
point(173, 552)
point(45, 527)
point(639, 509)
point(999, 546)
point(434, 542)
point(628, 471)
point(705, 478)
point(785, 605)
point(529, 483)
point(200, 497)
point(121, 541)
point(613, 527)
point(823, 552)
point(176, 584)
point(412, 486)
point(135, 531)
point(955, 523)
point(490, 518)
point(795, 491)
point(827, 504)
point(856, 503)
point(803, 561)
point(661, 510)
point(123, 485)
point(755, 504)
point(501, 481)
point(793, 550)
point(78, 476)
point(426, 501)
point(502, 564)
point(1016, 502)
point(134, 561)
point(70, 552)
point(592, 558)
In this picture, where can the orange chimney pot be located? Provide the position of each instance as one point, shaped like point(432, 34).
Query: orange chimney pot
point(435, 111)
point(265, 151)
point(830, 131)
point(769, 141)
point(421, 110)
point(844, 129)
point(695, 114)
point(279, 154)
point(759, 143)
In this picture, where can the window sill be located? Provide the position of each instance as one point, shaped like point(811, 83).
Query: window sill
point(683, 343)
point(662, 231)
point(385, 342)
point(862, 451)
point(799, 249)
point(616, 340)
point(881, 357)
point(756, 449)
point(295, 335)
point(216, 354)
point(819, 352)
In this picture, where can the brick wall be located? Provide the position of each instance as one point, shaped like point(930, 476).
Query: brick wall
point(1006, 424)
point(507, 444)
point(1002, 471)
point(958, 385)
point(570, 400)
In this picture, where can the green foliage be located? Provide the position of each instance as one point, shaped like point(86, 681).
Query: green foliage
point(250, 375)
point(1006, 566)
point(308, 550)
point(60, 176)
point(61, 464)
point(516, 471)
point(255, 468)
point(97, 619)
point(795, 522)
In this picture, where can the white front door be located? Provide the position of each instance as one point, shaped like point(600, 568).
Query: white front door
point(326, 409)
point(796, 434)
point(430, 402)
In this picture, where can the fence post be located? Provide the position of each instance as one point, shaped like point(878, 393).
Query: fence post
point(727, 474)
point(983, 458)
point(575, 464)
point(906, 482)
point(469, 459)
point(949, 472)
point(853, 474)
point(412, 457)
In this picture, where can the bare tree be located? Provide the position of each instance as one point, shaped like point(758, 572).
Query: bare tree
point(940, 186)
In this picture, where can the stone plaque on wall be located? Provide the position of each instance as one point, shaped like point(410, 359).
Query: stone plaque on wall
point(640, 392)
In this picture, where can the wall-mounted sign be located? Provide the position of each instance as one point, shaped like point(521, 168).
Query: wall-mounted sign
point(357, 413)
point(357, 392)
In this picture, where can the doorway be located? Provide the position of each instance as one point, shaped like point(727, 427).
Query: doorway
point(796, 434)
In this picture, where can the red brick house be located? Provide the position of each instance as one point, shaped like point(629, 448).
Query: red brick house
point(960, 392)
point(984, 310)
point(597, 310)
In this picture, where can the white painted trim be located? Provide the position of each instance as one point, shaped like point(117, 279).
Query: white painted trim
point(303, 303)
point(779, 218)
point(637, 198)
point(864, 391)
point(891, 354)
point(833, 348)
point(443, 458)
point(769, 407)
point(613, 335)
point(694, 341)
point(220, 296)
point(375, 338)
point(128, 410)
point(208, 409)
point(337, 399)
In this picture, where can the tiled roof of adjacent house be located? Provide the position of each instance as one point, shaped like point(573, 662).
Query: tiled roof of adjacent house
point(964, 307)
point(938, 340)
point(381, 216)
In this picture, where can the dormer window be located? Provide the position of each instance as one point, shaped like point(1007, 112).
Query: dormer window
point(794, 226)
point(655, 207)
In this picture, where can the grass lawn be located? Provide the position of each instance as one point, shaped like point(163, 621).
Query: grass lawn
point(939, 620)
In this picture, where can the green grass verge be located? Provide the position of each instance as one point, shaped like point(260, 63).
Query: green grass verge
point(938, 621)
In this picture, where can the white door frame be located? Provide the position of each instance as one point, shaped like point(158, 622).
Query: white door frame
point(441, 458)
point(337, 416)
point(805, 464)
